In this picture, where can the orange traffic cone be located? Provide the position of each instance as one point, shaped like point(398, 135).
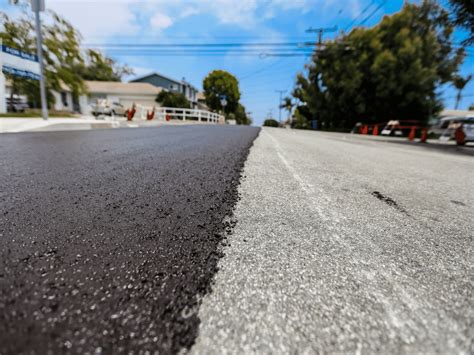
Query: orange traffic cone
point(411, 136)
point(424, 135)
point(131, 113)
point(460, 136)
point(375, 131)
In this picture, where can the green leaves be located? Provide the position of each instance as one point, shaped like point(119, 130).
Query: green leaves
point(172, 99)
point(219, 84)
point(65, 62)
point(386, 72)
point(464, 17)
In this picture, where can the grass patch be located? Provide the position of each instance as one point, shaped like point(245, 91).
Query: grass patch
point(37, 114)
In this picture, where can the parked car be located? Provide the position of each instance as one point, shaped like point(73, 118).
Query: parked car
point(399, 128)
point(102, 107)
point(18, 104)
point(447, 128)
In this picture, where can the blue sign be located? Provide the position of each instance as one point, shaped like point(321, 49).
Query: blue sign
point(18, 72)
point(20, 54)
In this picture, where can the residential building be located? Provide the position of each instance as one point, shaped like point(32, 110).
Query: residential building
point(63, 100)
point(201, 101)
point(170, 84)
point(126, 94)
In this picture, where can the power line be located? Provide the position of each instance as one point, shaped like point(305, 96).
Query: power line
point(261, 70)
point(360, 14)
point(373, 12)
point(200, 45)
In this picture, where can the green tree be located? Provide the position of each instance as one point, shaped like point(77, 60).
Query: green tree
point(172, 99)
point(471, 108)
point(459, 83)
point(464, 17)
point(389, 71)
point(288, 105)
point(270, 122)
point(240, 115)
point(65, 62)
point(97, 67)
point(217, 84)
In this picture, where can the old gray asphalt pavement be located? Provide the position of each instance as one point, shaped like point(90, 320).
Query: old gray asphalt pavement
point(344, 244)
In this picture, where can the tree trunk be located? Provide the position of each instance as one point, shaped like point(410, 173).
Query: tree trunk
point(12, 94)
point(458, 100)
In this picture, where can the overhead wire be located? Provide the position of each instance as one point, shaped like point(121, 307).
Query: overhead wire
point(360, 14)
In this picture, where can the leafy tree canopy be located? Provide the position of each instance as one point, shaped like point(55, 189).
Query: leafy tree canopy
point(270, 122)
point(217, 84)
point(98, 67)
point(464, 17)
point(172, 99)
point(390, 71)
point(240, 115)
point(65, 62)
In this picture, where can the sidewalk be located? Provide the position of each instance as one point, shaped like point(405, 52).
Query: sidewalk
point(431, 144)
point(16, 125)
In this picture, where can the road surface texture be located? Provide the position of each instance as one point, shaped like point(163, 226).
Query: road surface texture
point(109, 238)
point(345, 245)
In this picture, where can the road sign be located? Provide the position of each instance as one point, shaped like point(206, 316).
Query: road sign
point(18, 63)
point(25, 64)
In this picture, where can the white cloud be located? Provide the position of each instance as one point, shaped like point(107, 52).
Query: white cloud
point(160, 21)
point(189, 11)
point(107, 18)
point(97, 19)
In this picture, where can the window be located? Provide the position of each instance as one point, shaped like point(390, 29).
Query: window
point(64, 98)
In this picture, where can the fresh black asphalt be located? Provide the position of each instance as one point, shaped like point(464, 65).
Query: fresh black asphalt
point(109, 238)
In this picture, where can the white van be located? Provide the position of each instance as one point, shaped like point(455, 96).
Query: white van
point(447, 127)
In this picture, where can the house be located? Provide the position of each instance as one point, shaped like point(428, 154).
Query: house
point(126, 94)
point(63, 100)
point(201, 101)
point(170, 84)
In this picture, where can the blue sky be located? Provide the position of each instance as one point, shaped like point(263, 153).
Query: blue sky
point(225, 21)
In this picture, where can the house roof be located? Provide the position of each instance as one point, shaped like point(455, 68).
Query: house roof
point(113, 87)
point(180, 82)
point(200, 96)
point(456, 113)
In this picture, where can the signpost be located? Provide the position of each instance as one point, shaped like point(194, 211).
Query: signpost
point(37, 6)
point(18, 63)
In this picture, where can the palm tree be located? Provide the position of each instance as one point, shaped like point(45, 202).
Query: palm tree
point(288, 105)
point(460, 83)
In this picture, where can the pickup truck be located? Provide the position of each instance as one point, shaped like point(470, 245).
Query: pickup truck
point(108, 109)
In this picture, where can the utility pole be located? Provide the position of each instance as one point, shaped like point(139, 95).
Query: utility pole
point(37, 6)
point(279, 105)
point(320, 32)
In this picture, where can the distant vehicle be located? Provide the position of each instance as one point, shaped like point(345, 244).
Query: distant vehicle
point(102, 107)
point(18, 104)
point(399, 128)
point(447, 126)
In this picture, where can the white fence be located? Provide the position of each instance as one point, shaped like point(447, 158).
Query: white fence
point(184, 114)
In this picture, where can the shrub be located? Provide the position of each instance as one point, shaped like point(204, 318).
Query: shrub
point(270, 123)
